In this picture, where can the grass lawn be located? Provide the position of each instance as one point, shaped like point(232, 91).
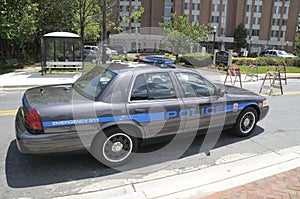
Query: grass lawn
point(263, 69)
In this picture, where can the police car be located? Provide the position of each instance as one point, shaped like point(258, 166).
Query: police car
point(111, 110)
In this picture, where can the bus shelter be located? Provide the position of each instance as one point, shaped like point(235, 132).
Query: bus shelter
point(61, 50)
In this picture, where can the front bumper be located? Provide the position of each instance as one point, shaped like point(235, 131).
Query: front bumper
point(263, 112)
point(29, 143)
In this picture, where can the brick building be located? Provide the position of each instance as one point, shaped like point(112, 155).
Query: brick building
point(270, 23)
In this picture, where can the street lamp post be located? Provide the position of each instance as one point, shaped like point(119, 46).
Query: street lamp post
point(214, 33)
point(250, 45)
point(136, 31)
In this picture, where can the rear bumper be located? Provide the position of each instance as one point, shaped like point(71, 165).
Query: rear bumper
point(29, 143)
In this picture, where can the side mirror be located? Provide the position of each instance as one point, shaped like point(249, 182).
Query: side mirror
point(220, 92)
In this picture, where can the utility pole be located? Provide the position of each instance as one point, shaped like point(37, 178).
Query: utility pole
point(103, 31)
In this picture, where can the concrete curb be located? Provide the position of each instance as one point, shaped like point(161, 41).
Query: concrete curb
point(204, 182)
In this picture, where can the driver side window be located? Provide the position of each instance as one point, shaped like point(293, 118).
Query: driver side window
point(194, 85)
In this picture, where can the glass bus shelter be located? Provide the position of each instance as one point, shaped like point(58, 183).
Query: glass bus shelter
point(61, 50)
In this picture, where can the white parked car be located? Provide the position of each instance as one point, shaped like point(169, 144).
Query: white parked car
point(277, 53)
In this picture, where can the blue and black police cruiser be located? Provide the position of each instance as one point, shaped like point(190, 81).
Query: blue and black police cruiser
point(111, 111)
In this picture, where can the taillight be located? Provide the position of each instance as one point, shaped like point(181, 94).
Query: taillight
point(33, 120)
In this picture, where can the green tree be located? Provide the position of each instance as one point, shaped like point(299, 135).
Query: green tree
point(55, 15)
point(135, 16)
point(181, 34)
point(240, 34)
point(18, 26)
point(84, 17)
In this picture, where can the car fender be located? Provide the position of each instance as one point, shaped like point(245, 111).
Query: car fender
point(130, 127)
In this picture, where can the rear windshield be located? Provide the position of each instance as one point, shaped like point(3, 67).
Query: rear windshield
point(92, 84)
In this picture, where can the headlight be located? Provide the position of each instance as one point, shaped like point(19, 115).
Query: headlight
point(265, 103)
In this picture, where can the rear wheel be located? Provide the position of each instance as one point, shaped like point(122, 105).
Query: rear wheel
point(114, 147)
point(246, 122)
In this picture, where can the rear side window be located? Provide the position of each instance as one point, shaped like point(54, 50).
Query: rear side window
point(153, 86)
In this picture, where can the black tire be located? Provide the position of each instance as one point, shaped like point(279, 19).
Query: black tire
point(246, 122)
point(113, 147)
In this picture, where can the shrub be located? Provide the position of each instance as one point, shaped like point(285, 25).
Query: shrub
point(267, 61)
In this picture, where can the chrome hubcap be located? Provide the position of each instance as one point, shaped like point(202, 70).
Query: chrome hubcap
point(117, 147)
point(247, 122)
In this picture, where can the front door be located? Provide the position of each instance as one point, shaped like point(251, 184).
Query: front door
point(204, 109)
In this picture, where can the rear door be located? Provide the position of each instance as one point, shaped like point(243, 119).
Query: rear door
point(154, 104)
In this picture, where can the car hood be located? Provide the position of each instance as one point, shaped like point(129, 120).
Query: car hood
point(232, 90)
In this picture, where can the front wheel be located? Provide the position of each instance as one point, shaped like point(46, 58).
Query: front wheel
point(114, 147)
point(246, 122)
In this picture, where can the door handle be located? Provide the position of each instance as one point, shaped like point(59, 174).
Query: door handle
point(140, 110)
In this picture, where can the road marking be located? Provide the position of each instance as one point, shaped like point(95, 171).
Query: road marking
point(8, 112)
point(284, 93)
point(292, 93)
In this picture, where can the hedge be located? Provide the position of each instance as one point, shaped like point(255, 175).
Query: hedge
point(267, 61)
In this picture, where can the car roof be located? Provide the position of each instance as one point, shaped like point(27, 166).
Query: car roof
point(140, 66)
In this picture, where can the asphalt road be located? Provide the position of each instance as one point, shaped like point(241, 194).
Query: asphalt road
point(47, 176)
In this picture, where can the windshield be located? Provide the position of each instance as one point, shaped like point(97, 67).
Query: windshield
point(92, 84)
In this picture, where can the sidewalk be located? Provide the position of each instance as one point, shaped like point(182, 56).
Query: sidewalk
point(283, 185)
point(24, 80)
point(270, 175)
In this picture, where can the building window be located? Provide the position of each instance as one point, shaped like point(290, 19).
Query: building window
point(223, 31)
point(215, 19)
point(285, 10)
point(194, 6)
point(258, 8)
point(275, 33)
point(284, 22)
point(256, 21)
point(215, 7)
point(247, 20)
point(186, 6)
point(223, 20)
point(275, 22)
point(224, 8)
point(255, 32)
point(276, 9)
point(249, 7)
